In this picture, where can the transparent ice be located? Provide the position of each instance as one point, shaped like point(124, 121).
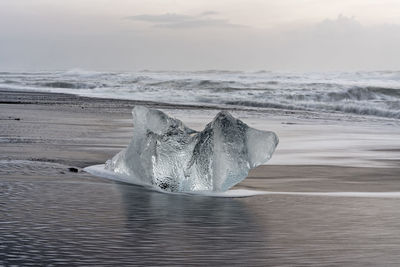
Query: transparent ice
point(165, 153)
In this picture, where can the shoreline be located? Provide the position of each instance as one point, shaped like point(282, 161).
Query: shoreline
point(10, 96)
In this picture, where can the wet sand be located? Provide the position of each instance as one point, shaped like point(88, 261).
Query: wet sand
point(50, 214)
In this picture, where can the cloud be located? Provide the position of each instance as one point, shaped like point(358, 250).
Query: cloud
point(173, 20)
point(342, 43)
point(208, 13)
point(342, 25)
point(163, 18)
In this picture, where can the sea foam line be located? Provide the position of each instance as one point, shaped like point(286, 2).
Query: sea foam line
point(100, 171)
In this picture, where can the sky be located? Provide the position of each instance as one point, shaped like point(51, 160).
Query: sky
point(131, 35)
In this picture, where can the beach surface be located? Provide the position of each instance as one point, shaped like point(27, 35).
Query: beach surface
point(52, 212)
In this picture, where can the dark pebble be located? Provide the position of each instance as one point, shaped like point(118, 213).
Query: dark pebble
point(72, 169)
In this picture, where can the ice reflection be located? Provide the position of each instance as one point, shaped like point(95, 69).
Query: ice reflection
point(184, 229)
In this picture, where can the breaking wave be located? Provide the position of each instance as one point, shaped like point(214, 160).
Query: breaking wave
point(349, 107)
point(363, 93)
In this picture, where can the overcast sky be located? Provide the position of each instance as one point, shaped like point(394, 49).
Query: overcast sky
point(284, 35)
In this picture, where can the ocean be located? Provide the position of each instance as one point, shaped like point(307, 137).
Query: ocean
point(374, 93)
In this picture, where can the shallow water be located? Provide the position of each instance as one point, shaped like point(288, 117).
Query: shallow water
point(79, 220)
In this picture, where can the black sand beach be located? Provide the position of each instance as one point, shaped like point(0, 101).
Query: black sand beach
point(52, 212)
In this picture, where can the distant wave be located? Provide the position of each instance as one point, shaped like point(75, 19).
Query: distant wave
point(85, 73)
point(10, 82)
point(365, 93)
point(68, 85)
point(261, 104)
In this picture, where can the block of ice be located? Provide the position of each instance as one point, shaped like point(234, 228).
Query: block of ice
point(165, 153)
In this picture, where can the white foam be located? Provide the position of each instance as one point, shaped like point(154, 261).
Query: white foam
point(340, 194)
point(98, 170)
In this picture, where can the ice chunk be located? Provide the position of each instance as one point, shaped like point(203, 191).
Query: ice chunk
point(167, 154)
